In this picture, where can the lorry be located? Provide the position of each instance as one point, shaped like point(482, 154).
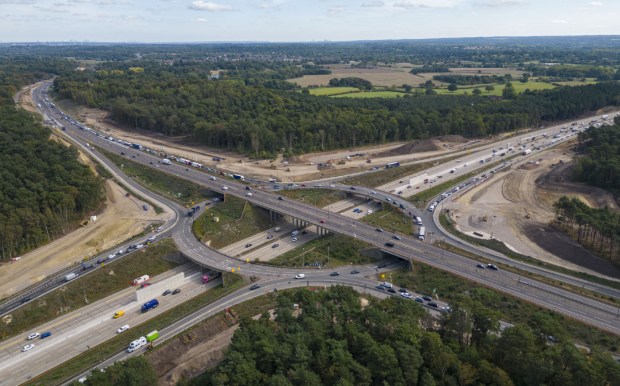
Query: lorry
point(294, 233)
point(136, 146)
point(153, 303)
point(418, 220)
point(70, 276)
point(136, 344)
point(422, 233)
point(527, 151)
point(166, 161)
point(141, 279)
point(151, 336)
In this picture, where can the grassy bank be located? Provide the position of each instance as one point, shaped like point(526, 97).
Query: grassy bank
point(94, 356)
point(390, 219)
point(87, 289)
point(317, 197)
point(230, 221)
point(343, 250)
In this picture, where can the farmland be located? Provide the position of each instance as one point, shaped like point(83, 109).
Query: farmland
point(328, 91)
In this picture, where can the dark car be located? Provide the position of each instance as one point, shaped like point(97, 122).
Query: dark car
point(269, 237)
point(481, 266)
point(167, 292)
point(304, 232)
point(492, 266)
point(380, 287)
point(390, 245)
point(403, 290)
point(419, 300)
point(427, 298)
point(176, 291)
point(144, 285)
point(46, 334)
point(334, 274)
point(247, 188)
point(248, 245)
point(101, 261)
point(433, 304)
point(379, 230)
point(396, 237)
point(354, 272)
point(382, 265)
point(391, 290)
point(26, 299)
point(280, 198)
point(255, 286)
point(275, 245)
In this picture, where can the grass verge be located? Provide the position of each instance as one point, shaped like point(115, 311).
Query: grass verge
point(424, 279)
point(502, 248)
point(94, 356)
point(390, 219)
point(317, 197)
point(230, 221)
point(90, 288)
point(343, 250)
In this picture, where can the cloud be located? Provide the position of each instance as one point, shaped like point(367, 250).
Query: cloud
point(209, 6)
point(425, 3)
point(334, 11)
point(499, 3)
point(275, 4)
point(595, 4)
point(559, 22)
point(373, 3)
point(200, 20)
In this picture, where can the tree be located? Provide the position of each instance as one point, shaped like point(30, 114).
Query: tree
point(509, 91)
point(452, 87)
point(525, 77)
point(489, 88)
point(136, 371)
point(476, 91)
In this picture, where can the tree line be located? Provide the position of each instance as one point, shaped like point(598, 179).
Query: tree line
point(44, 191)
point(329, 338)
point(599, 163)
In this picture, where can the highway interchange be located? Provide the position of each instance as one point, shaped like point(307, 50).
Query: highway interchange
point(589, 311)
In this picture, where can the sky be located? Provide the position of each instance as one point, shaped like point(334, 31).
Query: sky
point(298, 20)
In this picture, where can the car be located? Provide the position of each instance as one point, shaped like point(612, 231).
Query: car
point(481, 266)
point(369, 211)
point(293, 238)
point(224, 187)
point(379, 230)
point(139, 246)
point(28, 347)
point(255, 286)
point(280, 198)
point(335, 273)
point(332, 186)
point(166, 292)
point(304, 232)
point(144, 285)
point(389, 245)
point(212, 178)
point(406, 295)
point(380, 287)
point(33, 336)
point(400, 192)
point(322, 221)
point(112, 256)
point(427, 298)
point(352, 188)
point(419, 300)
point(122, 328)
point(433, 304)
point(300, 276)
point(247, 188)
point(391, 290)
point(382, 265)
point(403, 290)
point(118, 314)
point(355, 271)
point(269, 237)
point(248, 245)
point(395, 237)
point(493, 267)
point(275, 245)
point(176, 291)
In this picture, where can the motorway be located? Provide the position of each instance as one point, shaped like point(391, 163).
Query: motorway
point(587, 310)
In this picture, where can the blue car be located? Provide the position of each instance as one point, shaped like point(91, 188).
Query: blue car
point(46, 335)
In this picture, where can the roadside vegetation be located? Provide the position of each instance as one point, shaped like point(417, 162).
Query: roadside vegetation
point(230, 221)
point(92, 357)
point(391, 219)
point(89, 288)
point(329, 252)
point(178, 189)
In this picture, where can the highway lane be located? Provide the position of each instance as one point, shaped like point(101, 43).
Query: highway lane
point(407, 248)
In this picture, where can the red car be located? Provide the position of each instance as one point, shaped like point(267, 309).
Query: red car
point(322, 221)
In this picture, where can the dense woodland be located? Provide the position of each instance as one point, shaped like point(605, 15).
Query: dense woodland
point(597, 229)
point(599, 164)
point(257, 120)
point(44, 190)
point(330, 339)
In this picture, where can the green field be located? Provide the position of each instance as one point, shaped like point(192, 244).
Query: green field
point(328, 91)
point(519, 88)
point(372, 94)
point(316, 197)
point(230, 221)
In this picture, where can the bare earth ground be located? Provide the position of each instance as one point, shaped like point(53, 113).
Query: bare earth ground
point(501, 206)
point(119, 219)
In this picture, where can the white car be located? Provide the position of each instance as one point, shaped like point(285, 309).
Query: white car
point(300, 276)
point(28, 347)
point(112, 256)
point(249, 194)
point(159, 229)
point(33, 336)
point(212, 178)
point(139, 246)
point(332, 186)
point(224, 187)
point(369, 211)
point(123, 328)
point(294, 239)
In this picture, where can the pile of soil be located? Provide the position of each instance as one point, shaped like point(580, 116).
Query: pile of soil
point(452, 138)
